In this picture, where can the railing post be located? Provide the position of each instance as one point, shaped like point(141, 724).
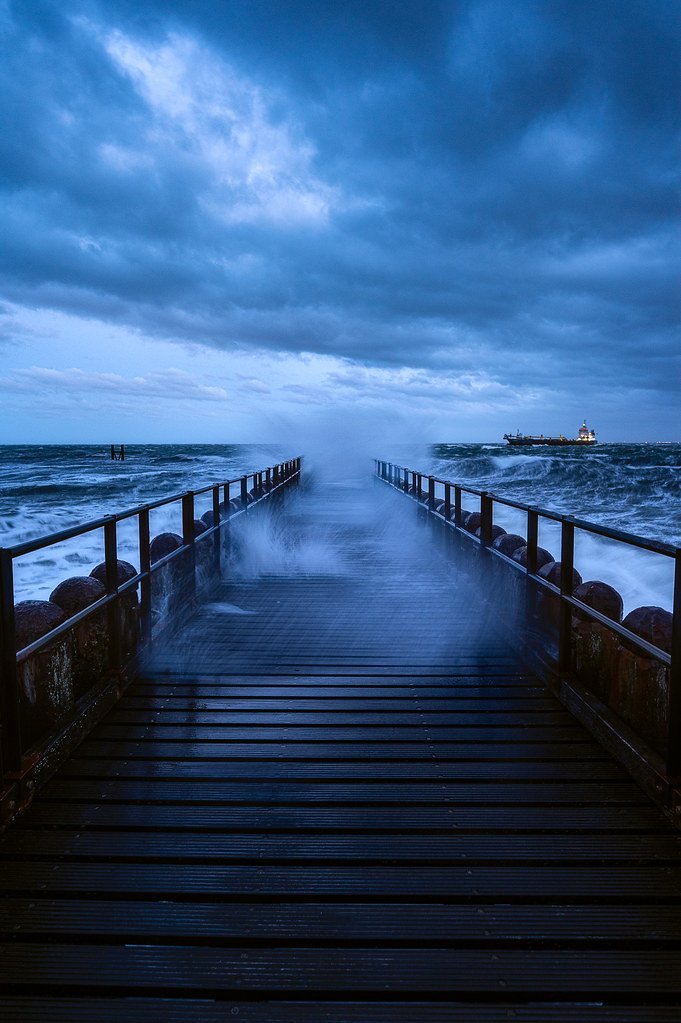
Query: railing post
point(10, 705)
point(225, 496)
point(217, 568)
point(567, 561)
point(457, 506)
point(406, 480)
point(431, 494)
point(447, 510)
point(532, 540)
point(674, 699)
point(114, 617)
point(486, 519)
point(268, 478)
point(145, 569)
point(188, 539)
point(244, 491)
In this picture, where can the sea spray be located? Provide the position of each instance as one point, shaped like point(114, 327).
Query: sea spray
point(631, 487)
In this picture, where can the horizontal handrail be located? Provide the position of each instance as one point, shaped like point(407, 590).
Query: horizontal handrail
point(410, 482)
point(634, 539)
point(49, 539)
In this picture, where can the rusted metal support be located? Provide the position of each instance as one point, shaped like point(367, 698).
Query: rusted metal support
point(114, 618)
point(532, 540)
point(216, 535)
point(431, 494)
point(10, 703)
point(567, 562)
point(457, 506)
point(145, 569)
point(674, 699)
point(188, 539)
point(486, 518)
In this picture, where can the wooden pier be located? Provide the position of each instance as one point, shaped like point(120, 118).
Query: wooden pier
point(338, 796)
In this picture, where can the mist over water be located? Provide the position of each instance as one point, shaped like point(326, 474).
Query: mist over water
point(634, 487)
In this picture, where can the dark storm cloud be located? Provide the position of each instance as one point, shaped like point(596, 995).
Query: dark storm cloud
point(452, 185)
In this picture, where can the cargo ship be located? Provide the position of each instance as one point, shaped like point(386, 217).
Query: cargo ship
point(585, 438)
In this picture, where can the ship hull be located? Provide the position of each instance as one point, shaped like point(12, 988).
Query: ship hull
point(555, 442)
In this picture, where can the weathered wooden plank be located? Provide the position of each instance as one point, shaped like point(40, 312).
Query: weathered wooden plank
point(464, 882)
point(207, 970)
point(367, 847)
point(32, 1009)
point(311, 818)
point(317, 770)
point(390, 924)
point(273, 792)
point(471, 733)
point(411, 704)
point(586, 752)
point(323, 719)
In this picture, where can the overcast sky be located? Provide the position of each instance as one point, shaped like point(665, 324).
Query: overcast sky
point(222, 221)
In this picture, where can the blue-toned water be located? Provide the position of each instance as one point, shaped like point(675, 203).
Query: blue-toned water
point(635, 487)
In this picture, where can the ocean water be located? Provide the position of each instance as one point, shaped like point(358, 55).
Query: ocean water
point(634, 487)
point(48, 488)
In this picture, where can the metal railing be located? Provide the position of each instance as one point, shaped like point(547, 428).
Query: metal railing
point(423, 489)
point(244, 492)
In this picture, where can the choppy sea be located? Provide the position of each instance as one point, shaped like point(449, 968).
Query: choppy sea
point(634, 487)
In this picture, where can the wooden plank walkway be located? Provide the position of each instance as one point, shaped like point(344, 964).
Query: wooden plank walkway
point(352, 803)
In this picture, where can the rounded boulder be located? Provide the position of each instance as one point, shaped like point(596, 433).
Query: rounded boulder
point(601, 597)
point(74, 594)
point(33, 618)
point(543, 556)
point(124, 571)
point(653, 624)
point(551, 571)
point(163, 545)
point(497, 531)
point(509, 543)
point(472, 522)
